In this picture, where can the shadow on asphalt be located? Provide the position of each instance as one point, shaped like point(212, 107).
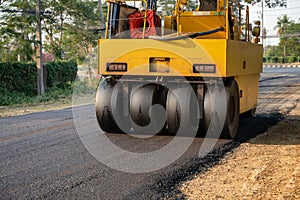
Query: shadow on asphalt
point(287, 132)
point(250, 127)
point(166, 187)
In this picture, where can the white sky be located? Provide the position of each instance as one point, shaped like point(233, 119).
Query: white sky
point(271, 14)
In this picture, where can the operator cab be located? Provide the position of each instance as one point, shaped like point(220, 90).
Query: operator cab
point(143, 19)
point(132, 19)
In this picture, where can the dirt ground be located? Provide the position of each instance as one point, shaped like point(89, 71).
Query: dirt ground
point(7, 111)
point(265, 167)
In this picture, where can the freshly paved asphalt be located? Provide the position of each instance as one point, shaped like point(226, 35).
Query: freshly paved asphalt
point(42, 155)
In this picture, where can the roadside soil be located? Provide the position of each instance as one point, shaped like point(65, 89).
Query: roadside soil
point(15, 110)
point(265, 167)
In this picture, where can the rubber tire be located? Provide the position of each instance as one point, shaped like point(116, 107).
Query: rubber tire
point(182, 116)
point(232, 118)
point(141, 100)
point(207, 113)
point(103, 107)
point(173, 113)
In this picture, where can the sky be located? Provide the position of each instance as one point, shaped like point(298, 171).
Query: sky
point(270, 17)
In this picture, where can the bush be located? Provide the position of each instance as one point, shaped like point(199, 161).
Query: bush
point(291, 59)
point(275, 59)
point(19, 77)
point(18, 81)
point(61, 73)
point(269, 59)
point(22, 77)
point(280, 59)
point(264, 59)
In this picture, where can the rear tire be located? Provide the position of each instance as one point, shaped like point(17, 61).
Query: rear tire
point(231, 123)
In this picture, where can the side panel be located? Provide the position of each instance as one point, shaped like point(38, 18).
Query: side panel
point(243, 58)
point(248, 87)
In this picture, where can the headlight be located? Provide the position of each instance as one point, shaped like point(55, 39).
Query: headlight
point(116, 67)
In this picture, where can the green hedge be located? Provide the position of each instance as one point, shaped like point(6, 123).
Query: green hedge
point(18, 77)
point(61, 73)
point(22, 77)
point(292, 59)
point(286, 59)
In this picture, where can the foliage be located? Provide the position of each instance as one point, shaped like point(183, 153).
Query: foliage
point(20, 78)
point(82, 87)
point(17, 28)
point(289, 45)
point(8, 98)
point(18, 82)
point(269, 3)
point(286, 59)
point(166, 7)
point(61, 73)
point(283, 24)
point(67, 28)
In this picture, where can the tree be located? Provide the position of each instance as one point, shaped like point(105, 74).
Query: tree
point(289, 40)
point(17, 30)
point(165, 7)
point(74, 18)
point(289, 44)
point(269, 3)
point(79, 36)
point(64, 22)
point(282, 24)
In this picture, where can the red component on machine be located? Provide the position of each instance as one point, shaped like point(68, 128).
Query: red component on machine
point(136, 24)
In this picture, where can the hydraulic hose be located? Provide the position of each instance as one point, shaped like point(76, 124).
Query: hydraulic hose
point(185, 36)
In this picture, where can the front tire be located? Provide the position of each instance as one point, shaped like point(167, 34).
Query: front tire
point(103, 107)
point(145, 119)
point(182, 111)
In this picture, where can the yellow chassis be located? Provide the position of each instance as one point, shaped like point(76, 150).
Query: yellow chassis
point(233, 59)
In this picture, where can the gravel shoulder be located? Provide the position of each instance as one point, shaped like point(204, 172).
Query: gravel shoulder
point(16, 110)
point(265, 167)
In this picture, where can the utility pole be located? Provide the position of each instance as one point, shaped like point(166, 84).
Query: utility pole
point(262, 22)
point(39, 64)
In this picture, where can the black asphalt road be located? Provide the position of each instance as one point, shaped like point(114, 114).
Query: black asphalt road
point(42, 155)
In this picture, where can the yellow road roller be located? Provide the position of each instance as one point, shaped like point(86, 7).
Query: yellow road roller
point(149, 61)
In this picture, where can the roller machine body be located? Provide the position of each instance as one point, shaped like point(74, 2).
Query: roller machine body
point(142, 53)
